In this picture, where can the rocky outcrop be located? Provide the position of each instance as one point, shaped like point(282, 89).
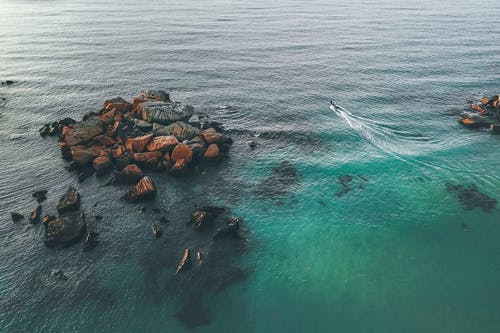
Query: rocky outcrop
point(118, 104)
point(70, 201)
point(211, 136)
point(90, 241)
point(165, 112)
point(145, 189)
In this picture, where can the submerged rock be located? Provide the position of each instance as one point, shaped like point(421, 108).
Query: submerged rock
point(145, 189)
point(16, 217)
point(65, 230)
point(203, 217)
point(185, 262)
point(283, 179)
point(165, 112)
point(70, 201)
point(470, 197)
point(229, 230)
point(91, 240)
point(40, 196)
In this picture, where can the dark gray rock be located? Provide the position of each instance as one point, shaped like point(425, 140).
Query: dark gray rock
point(65, 230)
point(165, 112)
point(70, 201)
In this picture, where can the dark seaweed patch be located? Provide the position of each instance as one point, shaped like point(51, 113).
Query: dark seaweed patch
point(348, 183)
point(470, 197)
point(194, 313)
point(283, 179)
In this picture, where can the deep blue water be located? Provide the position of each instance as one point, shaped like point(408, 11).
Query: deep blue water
point(397, 253)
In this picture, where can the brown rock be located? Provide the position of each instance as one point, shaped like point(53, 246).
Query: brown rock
point(211, 136)
point(150, 95)
point(82, 155)
point(149, 156)
point(104, 140)
point(118, 104)
point(485, 101)
point(117, 152)
point(182, 131)
point(102, 165)
point(137, 145)
point(162, 143)
point(212, 151)
point(182, 152)
point(144, 189)
point(478, 108)
point(184, 263)
point(133, 171)
point(84, 131)
point(108, 117)
point(179, 165)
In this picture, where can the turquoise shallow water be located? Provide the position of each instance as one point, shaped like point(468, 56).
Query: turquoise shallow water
point(391, 255)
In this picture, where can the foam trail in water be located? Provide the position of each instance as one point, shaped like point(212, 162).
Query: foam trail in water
point(381, 136)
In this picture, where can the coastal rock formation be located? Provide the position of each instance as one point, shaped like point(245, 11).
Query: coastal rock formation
point(487, 116)
point(122, 133)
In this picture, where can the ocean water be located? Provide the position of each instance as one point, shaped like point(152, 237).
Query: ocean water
point(358, 233)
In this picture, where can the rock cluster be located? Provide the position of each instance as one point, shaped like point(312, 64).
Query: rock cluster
point(486, 115)
point(151, 133)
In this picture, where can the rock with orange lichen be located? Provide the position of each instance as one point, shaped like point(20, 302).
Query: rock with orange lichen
point(138, 144)
point(83, 131)
point(211, 136)
point(179, 165)
point(131, 174)
point(211, 152)
point(108, 117)
point(118, 104)
point(82, 155)
point(102, 165)
point(151, 157)
point(145, 189)
point(162, 143)
point(104, 140)
point(182, 152)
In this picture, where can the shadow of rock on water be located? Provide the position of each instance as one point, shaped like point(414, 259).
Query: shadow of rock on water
point(211, 267)
point(349, 183)
point(470, 197)
point(283, 179)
